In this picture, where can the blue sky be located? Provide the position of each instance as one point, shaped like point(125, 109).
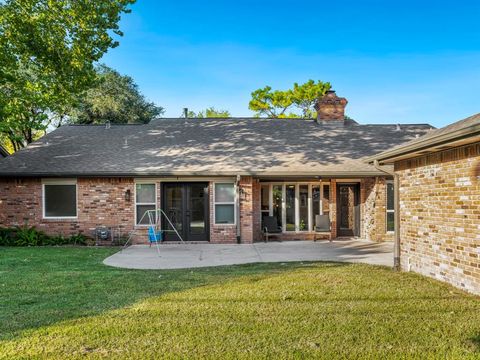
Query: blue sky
point(395, 61)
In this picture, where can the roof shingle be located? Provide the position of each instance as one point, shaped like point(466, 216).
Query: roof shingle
point(208, 147)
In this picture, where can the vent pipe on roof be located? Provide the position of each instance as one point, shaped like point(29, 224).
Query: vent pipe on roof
point(107, 124)
point(397, 128)
point(185, 113)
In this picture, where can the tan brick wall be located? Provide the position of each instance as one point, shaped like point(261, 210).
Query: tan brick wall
point(440, 216)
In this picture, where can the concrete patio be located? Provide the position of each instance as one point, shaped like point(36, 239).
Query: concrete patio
point(181, 256)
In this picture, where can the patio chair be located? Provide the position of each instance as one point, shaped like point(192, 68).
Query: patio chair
point(323, 225)
point(270, 227)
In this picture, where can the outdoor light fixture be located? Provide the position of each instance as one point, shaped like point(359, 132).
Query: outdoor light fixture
point(128, 195)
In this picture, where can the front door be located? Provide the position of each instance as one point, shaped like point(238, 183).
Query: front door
point(186, 205)
point(348, 210)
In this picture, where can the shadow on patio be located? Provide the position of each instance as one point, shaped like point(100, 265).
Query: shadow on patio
point(182, 256)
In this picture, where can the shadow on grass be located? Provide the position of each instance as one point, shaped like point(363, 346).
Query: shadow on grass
point(475, 342)
point(43, 286)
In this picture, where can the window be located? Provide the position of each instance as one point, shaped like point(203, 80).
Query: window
point(326, 198)
point(294, 205)
point(145, 200)
point(315, 202)
point(303, 207)
point(390, 208)
point(60, 199)
point(290, 207)
point(224, 199)
point(277, 203)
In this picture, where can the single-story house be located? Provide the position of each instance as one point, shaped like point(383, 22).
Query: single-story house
point(216, 179)
point(439, 186)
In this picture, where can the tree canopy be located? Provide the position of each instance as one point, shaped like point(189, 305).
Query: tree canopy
point(47, 54)
point(114, 98)
point(298, 101)
point(209, 112)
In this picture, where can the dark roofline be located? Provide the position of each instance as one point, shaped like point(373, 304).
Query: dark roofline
point(339, 174)
point(431, 143)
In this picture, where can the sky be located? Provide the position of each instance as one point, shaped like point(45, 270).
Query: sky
point(396, 61)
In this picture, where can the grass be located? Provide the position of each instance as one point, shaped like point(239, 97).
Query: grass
point(63, 303)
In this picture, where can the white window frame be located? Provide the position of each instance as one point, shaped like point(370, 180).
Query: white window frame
point(234, 203)
point(144, 182)
point(59, 182)
point(310, 184)
point(387, 211)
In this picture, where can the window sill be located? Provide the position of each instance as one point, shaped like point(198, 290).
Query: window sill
point(75, 218)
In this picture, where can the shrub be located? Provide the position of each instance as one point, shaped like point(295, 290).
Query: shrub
point(30, 236)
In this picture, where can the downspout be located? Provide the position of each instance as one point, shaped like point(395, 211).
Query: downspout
point(396, 207)
point(237, 212)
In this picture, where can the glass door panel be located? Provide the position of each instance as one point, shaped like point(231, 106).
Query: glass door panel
point(277, 203)
point(173, 209)
point(186, 205)
point(290, 207)
point(315, 203)
point(196, 212)
point(303, 207)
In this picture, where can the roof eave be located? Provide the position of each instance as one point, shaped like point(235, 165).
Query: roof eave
point(455, 138)
point(344, 174)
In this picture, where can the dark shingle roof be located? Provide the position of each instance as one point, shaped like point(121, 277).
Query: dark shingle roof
point(209, 147)
point(3, 152)
point(435, 139)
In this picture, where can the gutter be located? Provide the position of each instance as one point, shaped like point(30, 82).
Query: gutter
point(396, 206)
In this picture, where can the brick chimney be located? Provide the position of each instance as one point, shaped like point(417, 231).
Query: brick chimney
point(331, 108)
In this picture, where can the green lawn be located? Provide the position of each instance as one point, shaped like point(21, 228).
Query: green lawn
point(63, 303)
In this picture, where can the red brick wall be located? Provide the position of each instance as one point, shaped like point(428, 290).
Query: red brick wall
point(440, 216)
point(101, 202)
point(223, 234)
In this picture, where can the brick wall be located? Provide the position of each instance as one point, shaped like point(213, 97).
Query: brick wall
point(373, 197)
point(101, 202)
point(223, 234)
point(440, 216)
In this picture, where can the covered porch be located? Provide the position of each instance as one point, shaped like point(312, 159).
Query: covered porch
point(322, 208)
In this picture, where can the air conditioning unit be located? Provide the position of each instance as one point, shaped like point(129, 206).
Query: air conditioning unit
point(102, 234)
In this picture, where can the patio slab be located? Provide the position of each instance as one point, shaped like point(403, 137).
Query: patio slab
point(182, 256)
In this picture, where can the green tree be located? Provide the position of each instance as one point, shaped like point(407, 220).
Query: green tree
point(114, 98)
point(270, 103)
point(276, 103)
point(304, 96)
point(210, 112)
point(47, 53)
